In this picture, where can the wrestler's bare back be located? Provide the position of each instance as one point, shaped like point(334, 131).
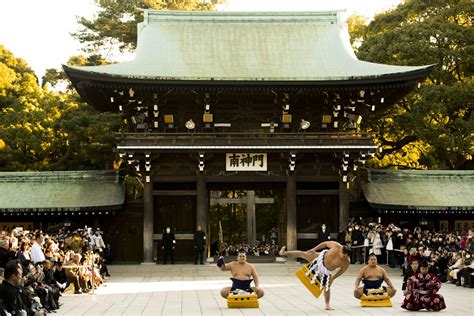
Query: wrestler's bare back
point(332, 258)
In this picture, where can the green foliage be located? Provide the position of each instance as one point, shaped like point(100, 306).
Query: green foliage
point(44, 130)
point(57, 77)
point(116, 23)
point(134, 186)
point(433, 126)
point(356, 25)
point(25, 124)
point(88, 138)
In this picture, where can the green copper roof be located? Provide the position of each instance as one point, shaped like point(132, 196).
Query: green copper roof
point(245, 46)
point(60, 190)
point(420, 189)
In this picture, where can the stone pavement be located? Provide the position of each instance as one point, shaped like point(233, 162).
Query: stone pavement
point(194, 290)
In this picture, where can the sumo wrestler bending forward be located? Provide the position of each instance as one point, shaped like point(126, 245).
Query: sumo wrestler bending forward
point(329, 261)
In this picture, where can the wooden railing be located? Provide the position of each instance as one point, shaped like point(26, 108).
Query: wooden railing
point(245, 139)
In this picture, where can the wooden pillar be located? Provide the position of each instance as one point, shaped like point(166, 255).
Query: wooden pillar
point(251, 225)
point(343, 205)
point(291, 229)
point(148, 220)
point(202, 203)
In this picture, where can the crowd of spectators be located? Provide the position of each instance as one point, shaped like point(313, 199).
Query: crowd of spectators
point(260, 249)
point(448, 253)
point(36, 267)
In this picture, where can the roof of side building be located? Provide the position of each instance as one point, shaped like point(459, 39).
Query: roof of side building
point(61, 191)
point(420, 189)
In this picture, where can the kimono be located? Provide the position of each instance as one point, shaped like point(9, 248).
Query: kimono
point(422, 290)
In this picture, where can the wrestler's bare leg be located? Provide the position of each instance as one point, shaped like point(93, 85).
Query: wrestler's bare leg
point(309, 255)
point(327, 298)
point(358, 293)
point(225, 292)
point(260, 292)
point(391, 292)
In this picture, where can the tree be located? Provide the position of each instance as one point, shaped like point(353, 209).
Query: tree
point(26, 132)
point(116, 22)
point(433, 126)
point(46, 130)
point(356, 25)
point(55, 77)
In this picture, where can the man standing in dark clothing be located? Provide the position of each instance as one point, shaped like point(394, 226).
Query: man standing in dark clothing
point(199, 244)
point(357, 242)
point(168, 245)
point(323, 234)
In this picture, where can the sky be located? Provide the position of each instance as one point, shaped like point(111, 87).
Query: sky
point(39, 30)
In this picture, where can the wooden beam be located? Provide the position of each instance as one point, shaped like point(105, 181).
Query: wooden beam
point(317, 192)
point(176, 236)
point(174, 192)
point(242, 200)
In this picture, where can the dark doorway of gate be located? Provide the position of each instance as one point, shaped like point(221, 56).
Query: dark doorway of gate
point(246, 219)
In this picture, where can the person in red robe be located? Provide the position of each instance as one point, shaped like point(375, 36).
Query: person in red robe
point(422, 288)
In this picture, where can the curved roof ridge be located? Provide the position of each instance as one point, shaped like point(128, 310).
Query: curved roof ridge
point(245, 46)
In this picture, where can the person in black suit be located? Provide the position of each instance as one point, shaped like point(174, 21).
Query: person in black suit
point(168, 245)
point(323, 234)
point(199, 245)
point(357, 241)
